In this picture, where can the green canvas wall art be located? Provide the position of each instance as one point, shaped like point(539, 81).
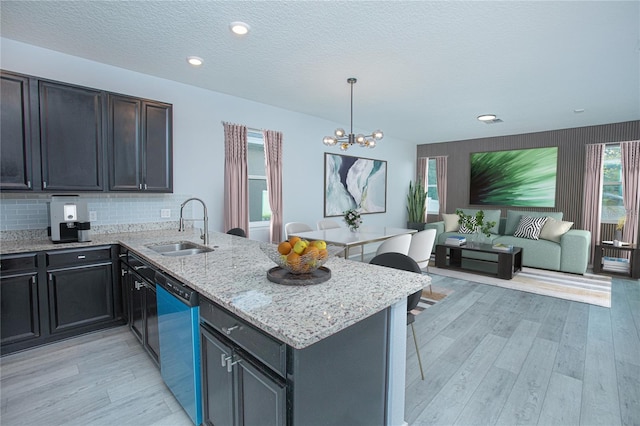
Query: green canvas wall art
point(524, 178)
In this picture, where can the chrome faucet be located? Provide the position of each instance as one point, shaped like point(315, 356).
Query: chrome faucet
point(205, 234)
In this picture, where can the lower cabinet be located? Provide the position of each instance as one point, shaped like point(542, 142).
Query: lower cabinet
point(80, 296)
point(56, 294)
point(249, 377)
point(236, 389)
point(19, 310)
point(142, 304)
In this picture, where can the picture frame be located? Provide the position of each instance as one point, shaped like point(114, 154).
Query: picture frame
point(518, 178)
point(354, 183)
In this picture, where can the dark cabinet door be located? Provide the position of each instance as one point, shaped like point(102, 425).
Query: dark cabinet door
point(19, 317)
point(125, 144)
point(15, 135)
point(136, 292)
point(80, 296)
point(71, 137)
point(158, 157)
point(262, 397)
point(217, 382)
point(152, 338)
point(140, 145)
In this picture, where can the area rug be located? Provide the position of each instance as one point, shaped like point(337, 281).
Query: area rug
point(430, 297)
point(587, 288)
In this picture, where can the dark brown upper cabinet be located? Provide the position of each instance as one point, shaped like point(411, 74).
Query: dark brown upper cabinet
point(71, 137)
point(15, 133)
point(65, 138)
point(140, 145)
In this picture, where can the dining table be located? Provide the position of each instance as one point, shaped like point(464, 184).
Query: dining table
point(348, 239)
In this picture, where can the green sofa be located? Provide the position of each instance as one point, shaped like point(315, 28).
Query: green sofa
point(570, 254)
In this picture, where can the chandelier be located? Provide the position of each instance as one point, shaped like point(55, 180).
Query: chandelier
point(345, 140)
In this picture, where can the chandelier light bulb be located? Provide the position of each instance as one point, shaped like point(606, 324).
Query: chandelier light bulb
point(344, 146)
point(328, 140)
point(372, 144)
point(378, 134)
point(339, 133)
point(360, 138)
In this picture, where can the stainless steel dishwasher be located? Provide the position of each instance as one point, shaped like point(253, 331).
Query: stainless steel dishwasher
point(178, 320)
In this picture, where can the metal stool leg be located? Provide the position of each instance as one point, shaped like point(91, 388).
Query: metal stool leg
point(417, 350)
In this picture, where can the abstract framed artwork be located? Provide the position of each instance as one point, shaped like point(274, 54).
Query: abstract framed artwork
point(523, 177)
point(354, 183)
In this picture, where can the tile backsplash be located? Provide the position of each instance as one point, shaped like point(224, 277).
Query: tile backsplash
point(29, 211)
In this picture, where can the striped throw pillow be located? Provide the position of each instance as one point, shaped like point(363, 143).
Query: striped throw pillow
point(465, 230)
point(530, 227)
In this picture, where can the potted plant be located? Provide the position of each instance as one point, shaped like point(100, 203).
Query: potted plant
point(416, 206)
point(475, 222)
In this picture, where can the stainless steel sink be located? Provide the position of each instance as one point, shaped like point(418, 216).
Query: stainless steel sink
point(180, 248)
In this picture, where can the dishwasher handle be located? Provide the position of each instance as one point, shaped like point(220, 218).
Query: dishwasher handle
point(183, 293)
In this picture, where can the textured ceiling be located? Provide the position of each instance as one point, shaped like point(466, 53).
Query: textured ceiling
point(425, 69)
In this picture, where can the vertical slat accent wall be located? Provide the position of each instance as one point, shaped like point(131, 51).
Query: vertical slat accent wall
point(571, 151)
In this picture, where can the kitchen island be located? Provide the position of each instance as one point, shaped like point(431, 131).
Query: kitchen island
point(233, 276)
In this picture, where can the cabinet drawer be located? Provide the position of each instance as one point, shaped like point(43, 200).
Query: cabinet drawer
point(263, 347)
point(77, 256)
point(18, 262)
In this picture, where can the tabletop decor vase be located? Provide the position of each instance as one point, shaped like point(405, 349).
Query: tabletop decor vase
point(353, 219)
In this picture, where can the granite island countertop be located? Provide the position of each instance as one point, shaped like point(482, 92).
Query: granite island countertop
point(234, 276)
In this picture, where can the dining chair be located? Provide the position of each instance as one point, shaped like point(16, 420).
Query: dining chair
point(327, 224)
point(421, 247)
point(332, 224)
point(295, 227)
point(405, 263)
point(238, 232)
point(397, 244)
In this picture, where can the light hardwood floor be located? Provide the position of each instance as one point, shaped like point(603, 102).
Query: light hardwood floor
point(491, 356)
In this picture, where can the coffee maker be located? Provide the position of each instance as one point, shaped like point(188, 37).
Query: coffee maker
point(68, 219)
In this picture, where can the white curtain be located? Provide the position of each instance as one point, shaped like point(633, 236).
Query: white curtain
point(273, 167)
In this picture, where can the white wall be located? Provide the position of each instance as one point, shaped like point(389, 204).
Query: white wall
point(199, 137)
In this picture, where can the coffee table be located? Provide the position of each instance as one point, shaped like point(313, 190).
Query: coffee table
point(508, 262)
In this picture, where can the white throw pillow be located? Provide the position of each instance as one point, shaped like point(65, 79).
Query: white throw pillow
point(450, 222)
point(553, 229)
point(530, 227)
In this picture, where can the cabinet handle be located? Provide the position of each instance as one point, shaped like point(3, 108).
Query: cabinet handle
point(82, 256)
point(139, 186)
point(28, 184)
point(224, 359)
point(229, 330)
point(50, 277)
point(145, 186)
point(33, 280)
point(44, 183)
point(231, 363)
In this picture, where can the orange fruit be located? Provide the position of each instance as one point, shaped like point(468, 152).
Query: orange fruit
point(293, 260)
point(311, 252)
point(322, 254)
point(284, 247)
point(293, 240)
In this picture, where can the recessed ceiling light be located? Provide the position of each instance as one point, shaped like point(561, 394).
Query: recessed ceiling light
point(487, 117)
point(195, 61)
point(239, 28)
point(578, 110)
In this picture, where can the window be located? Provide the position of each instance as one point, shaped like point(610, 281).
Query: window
point(433, 206)
point(612, 202)
point(259, 210)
